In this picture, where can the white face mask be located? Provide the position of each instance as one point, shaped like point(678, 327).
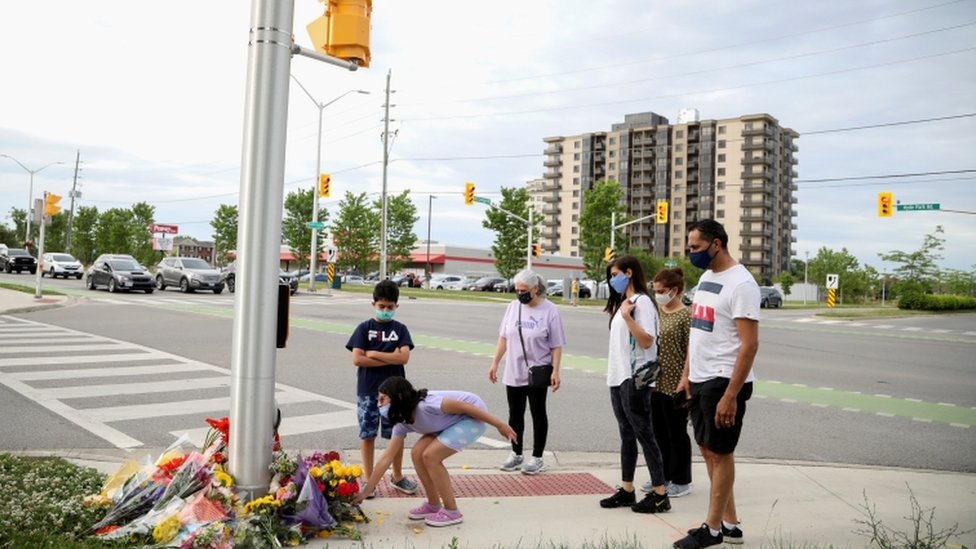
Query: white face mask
point(663, 299)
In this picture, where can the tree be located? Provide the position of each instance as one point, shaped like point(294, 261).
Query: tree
point(786, 282)
point(143, 215)
point(17, 217)
point(112, 232)
point(594, 223)
point(854, 284)
point(56, 233)
point(511, 239)
point(356, 233)
point(401, 214)
point(957, 282)
point(83, 234)
point(224, 224)
point(8, 234)
point(918, 271)
point(294, 226)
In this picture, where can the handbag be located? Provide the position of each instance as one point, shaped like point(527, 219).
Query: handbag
point(647, 373)
point(540, 376)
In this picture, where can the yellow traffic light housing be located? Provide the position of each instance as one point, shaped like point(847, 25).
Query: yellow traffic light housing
point(343, 31)
point(536, 250)
point(468, 194)
point(325, 185)
point(662, 212)
point(608, 255)
point(886, 204)
point(51, 204)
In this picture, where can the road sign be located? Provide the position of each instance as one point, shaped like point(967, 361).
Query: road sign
point(164, 228)
point(482, 200)
point(916, 207)
point(832, 281)
point(670, 263)
point(316, 225)
point(330, 254)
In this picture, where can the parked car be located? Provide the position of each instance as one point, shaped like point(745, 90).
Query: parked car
point(689, 295)
point(58, 264)
point(119, 273)
point(409, 280)
point(555, 288)
point(770, 297)
point(319, 277)
point(484, 284)
point(290, 280)
point(506, 286)
point(189, 273)
point(18, 260)
point(353, 280)
point(229, 279)
point(446, 282)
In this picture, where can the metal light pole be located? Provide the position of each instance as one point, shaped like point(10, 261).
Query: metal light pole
point(806, 265)
point(386, 161)
point(314, 256)
point(430, 209)
point(30, 193)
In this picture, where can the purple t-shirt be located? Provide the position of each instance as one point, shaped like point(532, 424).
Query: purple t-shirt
point(429, 419)
point(542, 330)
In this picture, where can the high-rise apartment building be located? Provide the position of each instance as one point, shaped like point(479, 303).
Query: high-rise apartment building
point(739, 171)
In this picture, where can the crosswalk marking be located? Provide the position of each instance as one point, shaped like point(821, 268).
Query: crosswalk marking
point(89, 373)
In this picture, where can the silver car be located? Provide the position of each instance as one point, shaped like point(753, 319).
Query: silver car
point(59, 264)
point(189, 273)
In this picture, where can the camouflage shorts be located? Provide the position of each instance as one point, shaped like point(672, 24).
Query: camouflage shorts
point(368, 416)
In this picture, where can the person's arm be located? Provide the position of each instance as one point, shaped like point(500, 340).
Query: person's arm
point(557, 356)
point(360, 357)
point(400, 356)
point(749, 337)
point(500, 348)
point(379, 469)
point(454, 406)
point(641, 336)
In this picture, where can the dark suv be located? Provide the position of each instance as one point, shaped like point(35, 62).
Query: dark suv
point(18, 260)
point(229, 279)
point(119, 273)
point(770, 297)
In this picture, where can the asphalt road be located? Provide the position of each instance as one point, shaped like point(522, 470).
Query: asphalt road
point(893, 392)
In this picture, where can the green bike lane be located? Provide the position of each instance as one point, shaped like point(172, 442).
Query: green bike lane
point(827, 397)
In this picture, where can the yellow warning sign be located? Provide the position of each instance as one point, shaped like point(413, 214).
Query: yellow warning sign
point(830, 297)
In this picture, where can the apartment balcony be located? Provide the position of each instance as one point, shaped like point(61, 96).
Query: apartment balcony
point(764, 247)
point(766, 217)
point(770, 145)
point(550, 234)
point(794, 161)
point(754, 146)
point(552, 221)
point(793, 226)
point(765, 232)
point(554, 149)
point(793, 213)
point(756, 175)
point(692, 190)
point(550, 199)
point(552, 174)
point(753, 160)
point(692, 176)
point(794, 148)
point(551, 186)
point(794, 187)
point(693, 149)
point(641, 193)
point(694, 135)
point(551, 210)
point(751, 203)
point(793, 174)
point(764, 131)
point(794, 200)
point(598, 145)
point(692, 164)
point(792, 238)
point(552, 162)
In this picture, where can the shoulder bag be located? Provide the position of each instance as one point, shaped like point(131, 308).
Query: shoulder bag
point(646, 374)
point(540, 376)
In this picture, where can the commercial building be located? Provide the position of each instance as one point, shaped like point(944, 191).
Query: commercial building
point(739, 171)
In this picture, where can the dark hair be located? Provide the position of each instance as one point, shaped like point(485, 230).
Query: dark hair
point(403, 399)
point(709, 229)
point(637, 279)
point(386, 290)
point(671, 278)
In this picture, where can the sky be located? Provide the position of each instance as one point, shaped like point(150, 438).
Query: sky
point(152, 95)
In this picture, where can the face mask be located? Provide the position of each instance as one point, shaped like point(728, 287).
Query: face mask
point(525, 298)
point(662, 299)
point(619, 283)
point(701, 259)
point(385, 411)
point(384, 316)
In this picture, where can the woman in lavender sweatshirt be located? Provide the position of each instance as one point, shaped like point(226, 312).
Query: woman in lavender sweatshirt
point(448, 422)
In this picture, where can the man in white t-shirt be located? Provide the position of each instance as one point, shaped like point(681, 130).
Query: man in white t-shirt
point(718, 374)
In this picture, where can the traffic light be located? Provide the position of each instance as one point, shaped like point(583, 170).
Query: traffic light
point(662, 212)
point(325, 185)
point(536, 250)
point(343, 31)
point(51, 204)
point(608, 255)
point(468, 194)
point(886, 204)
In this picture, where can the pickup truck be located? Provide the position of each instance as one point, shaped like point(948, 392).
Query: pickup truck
point(18, 260)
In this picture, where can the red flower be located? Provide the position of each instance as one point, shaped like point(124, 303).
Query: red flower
point(222, 425)
point(172, 465)
point(106, 530)
point(218, 458)
point(346, 489)
point(321, 485)
point(331, 456)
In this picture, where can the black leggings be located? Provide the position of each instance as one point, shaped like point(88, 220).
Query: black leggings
point(516, 416)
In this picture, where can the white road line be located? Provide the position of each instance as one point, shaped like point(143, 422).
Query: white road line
point(961, 425)
point(60, 338)
point(291, 425)
point(912, 329)
point(114, 389)
point(46, 360)
point(177, 408)
point(804, 320)
point(494, 443)
point(88, 373)
point(884, 326)
point(969, 333)
point(68, 348)
point(856, 325)
point(942, 331)
point(831, 321)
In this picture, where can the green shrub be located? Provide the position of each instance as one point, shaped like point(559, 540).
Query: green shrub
point(928, 302)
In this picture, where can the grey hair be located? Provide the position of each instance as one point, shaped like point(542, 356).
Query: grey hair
point(531, 278)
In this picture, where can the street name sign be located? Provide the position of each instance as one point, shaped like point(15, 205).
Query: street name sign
point(315, 225)
point(916, 207)
point(482, 200)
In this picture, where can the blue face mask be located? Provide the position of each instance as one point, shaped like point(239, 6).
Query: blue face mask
point(385, 411)
point(701, 259)
point(384, 316)
point(619, 283)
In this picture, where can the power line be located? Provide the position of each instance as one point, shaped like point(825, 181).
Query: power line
point(889, 124)
point(885, 176)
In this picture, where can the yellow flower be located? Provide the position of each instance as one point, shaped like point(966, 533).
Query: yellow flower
point(316, 472)
point(333, 483)
point(357, 471)
point(325, 534)
point(167, 529)
point(224, 479)
point(342, 481)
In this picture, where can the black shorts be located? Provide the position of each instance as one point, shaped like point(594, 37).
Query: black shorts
point(704, 400)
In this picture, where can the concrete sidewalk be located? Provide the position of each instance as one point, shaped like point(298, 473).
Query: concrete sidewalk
point(780, 504)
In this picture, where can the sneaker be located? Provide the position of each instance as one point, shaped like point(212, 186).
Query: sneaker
point(652, 503)
point(420, 513)
point(678, 490)
point(648, 487)
point(513, 462)
point(372, 494)
point(732, 535)
point(620, 498)
point(444, 517)
point(404, 485)
point(699, 538)
point(533, 467)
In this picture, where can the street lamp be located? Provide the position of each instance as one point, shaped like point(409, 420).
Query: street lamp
point(315, 186)
point(806, 264)
point(430, 209)
point(30, 193)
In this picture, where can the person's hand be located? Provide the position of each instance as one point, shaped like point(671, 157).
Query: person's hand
point(684, 386)
point(360, 497)
point(554, 379)
point(507, 432)
point(493, 373)
point(725, 411)
point(626, 307)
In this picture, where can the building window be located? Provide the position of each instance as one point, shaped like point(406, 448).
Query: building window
point(679, 134)
point(574, 242)
point(678, 174)
point(719, 214)
point(679, 161)
point(675, 242)
point(721, 158)
point(575, 193)
point(612, 166)
point(575, 205)
point(575, 181)
point(679, 148)
point(575, 229)
point(676, 215)
point(720, 199)
point(576, 168)
point(748, 125)
point(721, 171)
point(721, 143)
point(721, 130)
point(720, 186)
point(575, 218)
point(576, 156)
point(576, 144)
point(613, 140)
point(613, 154)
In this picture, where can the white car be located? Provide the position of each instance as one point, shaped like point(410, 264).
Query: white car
point(354, 280)
point(447, 282)
point(59, 264)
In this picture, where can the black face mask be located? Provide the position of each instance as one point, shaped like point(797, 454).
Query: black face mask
point(525, 298)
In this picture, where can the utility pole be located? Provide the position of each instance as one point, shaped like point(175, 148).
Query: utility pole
point(72, 194)
point(386, 160)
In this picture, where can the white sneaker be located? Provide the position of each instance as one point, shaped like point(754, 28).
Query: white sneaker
point(533, 467)
point(678, 490)
point(513, 462)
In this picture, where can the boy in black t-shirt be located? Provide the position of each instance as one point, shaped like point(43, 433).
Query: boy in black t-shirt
point(380, 348)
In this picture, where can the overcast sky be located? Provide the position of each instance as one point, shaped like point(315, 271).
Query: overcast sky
point(152, 95)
